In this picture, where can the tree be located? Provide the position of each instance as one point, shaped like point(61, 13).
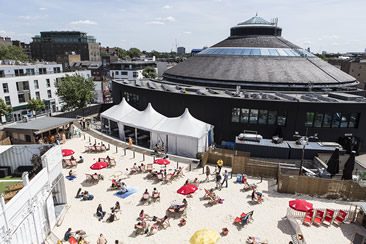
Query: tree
point(12, 53)
point(149, 72)
point(134, 52)
point(76, 91)
point(121, 53)
point(4, 109)
point(36, 105)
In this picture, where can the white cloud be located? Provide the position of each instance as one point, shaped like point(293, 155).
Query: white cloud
point(170, 19)
point(83, 22)
point(167, 7)
point(155, 22)
point(42, 9)
point(35, 17)
point(187, 32)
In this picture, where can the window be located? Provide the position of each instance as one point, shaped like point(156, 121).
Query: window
point(49, 94)
point(135, 74)
point(29, 71)
point(7, 100)
point(117, 72)
point(36, 86)
point(272, 115)
point(124, 73)
point(281, 119)
point(42, 71)
point(318, 120)
point(56, 70)
point(38, 95)
point(28, 138)
point(262, 118)
point(48, 82)
point(5, 88)
point(244, 116)
point(309, 119)
point(235, 115)
point(19, 72)
point(353, 120)
point(253, 118)
point(21, 98)
point(2, 73)
point(336, 120)
point(327, 121)
point(344, 120)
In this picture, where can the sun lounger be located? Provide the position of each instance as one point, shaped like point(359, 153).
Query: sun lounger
point(308, 219)
point(319, 214)
point(244, 218)
point(160, 177)
point(149, 168)
point(93, 179)
point(156, 197)
point(73, 163)
point(168, 178)
point(329, 214)
point(340, 218)
point(215, 199)
point(208, 194)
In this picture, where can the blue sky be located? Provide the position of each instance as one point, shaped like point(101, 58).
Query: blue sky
point(331, 25)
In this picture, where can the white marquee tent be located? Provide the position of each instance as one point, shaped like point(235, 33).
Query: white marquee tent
point(183, 135)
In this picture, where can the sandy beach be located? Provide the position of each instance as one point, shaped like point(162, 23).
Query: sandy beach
point(269, 223)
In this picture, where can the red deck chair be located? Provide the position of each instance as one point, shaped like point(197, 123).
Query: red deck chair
point(319, 214)
point(328, 217)
point(238, 220)
point(308, 219)
point(340, 218)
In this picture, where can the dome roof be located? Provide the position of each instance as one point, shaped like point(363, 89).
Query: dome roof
point(255, 56)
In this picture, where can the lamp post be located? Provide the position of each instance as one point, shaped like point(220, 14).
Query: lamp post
point(302, 140)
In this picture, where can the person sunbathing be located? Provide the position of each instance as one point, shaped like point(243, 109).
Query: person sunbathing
point(87, 196)
point(71, 173)
point(111, 218)
point(134, 169)
point(81, 160)
point(259, 197)
point(141, 226)
point(196, 182)
point(123, 188)
point(154, 229)
point(108, 159)
point(116, 207)
point(143, 216)
point(145, 196)
point(100, 213)
point(72, 157)
point(141, 168)
point(163, 222)
point(115, 184)
point(155, 194)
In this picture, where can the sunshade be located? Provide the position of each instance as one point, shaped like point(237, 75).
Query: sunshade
point(300, 205)
point(162, 161)
point(204, 236)
point(333, 163)
point(67, 152)
point(99, 165)
point(187, 189)
point(348, 167)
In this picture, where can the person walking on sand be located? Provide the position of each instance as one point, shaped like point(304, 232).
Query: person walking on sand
point(218, 180)
point(207, 173)
point(130, 142)
point(220, 163)
point(226, 177)
point(102, 240)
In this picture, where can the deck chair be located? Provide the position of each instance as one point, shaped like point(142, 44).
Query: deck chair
point(73, 163)
point(156, 197)
point(215, 200)
point(112, 163)
point(160, 177)
point(319, 215)
point(340, 218)
point(329, 214)
point(308, 219)
point(168, 178)
point(66, 163)
point(208, 194)
point(149, 168)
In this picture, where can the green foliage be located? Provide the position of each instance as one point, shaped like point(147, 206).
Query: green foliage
point(36, 105)
point(76, 91)
point(4, 108)
point(121, 53)
point(134, 52)
point(12, 53)
point(149, 72)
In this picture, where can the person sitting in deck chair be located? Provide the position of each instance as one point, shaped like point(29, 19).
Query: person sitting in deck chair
point(145, 196)
point(123, 188)
point(155, 194)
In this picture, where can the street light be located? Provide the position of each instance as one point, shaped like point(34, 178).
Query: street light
point(302, 140)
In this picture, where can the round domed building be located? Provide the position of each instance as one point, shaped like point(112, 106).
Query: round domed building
point(256, 80)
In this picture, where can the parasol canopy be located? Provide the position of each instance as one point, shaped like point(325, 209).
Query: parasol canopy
point(162, 161)
point(99, 165)
point(300, 205)
point(204, 236)
point(67, 152)
point(187, 189)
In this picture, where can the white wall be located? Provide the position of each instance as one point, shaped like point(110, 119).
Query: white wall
point(27, 212)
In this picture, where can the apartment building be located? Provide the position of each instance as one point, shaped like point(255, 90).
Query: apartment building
point(20, 83)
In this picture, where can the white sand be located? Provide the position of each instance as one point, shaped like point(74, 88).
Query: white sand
point(268, 223)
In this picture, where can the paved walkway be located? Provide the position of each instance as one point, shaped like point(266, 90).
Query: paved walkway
point(120, 144)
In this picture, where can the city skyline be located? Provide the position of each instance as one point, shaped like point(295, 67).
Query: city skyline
point(329, 25)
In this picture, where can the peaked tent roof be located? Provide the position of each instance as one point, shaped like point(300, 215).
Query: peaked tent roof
point(185, 125)
point(117, 112)
point(146, 119)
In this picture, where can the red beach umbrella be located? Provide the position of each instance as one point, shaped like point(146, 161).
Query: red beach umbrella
point(162, 161)
point(187, 189)
point(300, 205)
point(99, 165)
point(67, 152)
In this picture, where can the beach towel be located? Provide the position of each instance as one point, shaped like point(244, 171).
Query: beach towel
point(130, 191)
point(70, 178)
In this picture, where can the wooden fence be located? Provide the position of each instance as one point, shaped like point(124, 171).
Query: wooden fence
point(314, 186)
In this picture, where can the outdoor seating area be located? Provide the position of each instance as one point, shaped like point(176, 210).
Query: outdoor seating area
point(177, 201)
